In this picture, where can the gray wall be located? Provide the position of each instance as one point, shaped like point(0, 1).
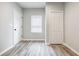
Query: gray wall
point(6, 22)
point(27, 23)
point(72, 25)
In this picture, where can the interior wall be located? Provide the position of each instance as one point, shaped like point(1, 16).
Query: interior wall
point(6, 24)
point(27, 34)
point(54, 22)
point(72, 25)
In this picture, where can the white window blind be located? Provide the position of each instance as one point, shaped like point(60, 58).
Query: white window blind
point(36, 23)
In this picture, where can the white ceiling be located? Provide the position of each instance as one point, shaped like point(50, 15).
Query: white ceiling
point(32, 4)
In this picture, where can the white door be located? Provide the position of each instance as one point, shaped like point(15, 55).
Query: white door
point(17, 26)
point(55, 27)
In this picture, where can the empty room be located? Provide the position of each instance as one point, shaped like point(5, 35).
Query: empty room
point(39, 28)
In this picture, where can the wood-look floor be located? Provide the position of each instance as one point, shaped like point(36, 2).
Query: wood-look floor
point(34, 48)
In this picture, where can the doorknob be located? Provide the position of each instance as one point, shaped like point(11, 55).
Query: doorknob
point(15, 29)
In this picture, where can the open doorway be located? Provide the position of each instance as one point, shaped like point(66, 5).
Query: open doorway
point(34, 24)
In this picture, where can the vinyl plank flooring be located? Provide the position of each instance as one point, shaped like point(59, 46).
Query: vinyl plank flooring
point(37, 48)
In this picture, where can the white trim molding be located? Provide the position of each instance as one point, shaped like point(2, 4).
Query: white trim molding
point(9, 48)
point(6, 50)
point(71, 48)
point(33, 39)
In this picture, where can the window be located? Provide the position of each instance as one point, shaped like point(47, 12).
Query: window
point(36, 24)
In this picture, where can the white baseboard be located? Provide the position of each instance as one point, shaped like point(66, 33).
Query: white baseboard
point(71, 48)
point(49, 43)
point(33, 39)
point(6, 50)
